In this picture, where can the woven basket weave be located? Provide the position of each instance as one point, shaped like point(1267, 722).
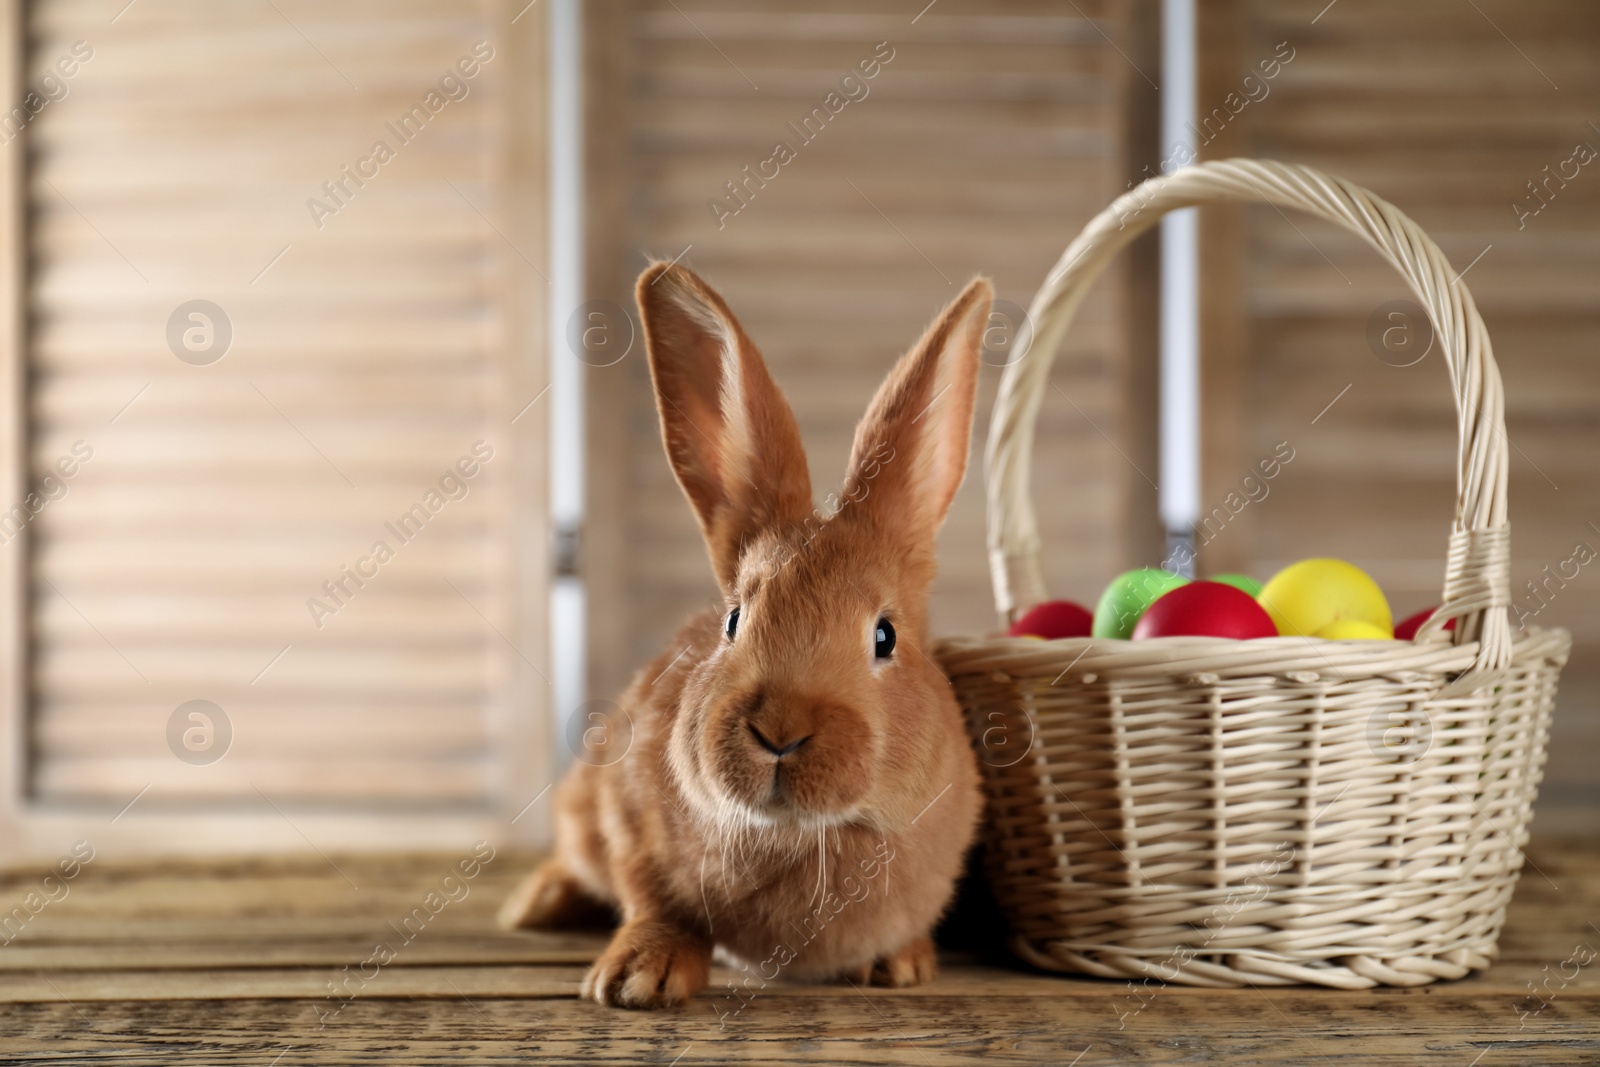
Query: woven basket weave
point(1282, 810)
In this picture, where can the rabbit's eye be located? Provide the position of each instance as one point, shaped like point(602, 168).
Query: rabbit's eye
point(730, 625)
point(883, 639)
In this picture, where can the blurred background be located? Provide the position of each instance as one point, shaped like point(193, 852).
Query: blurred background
point(335, 488)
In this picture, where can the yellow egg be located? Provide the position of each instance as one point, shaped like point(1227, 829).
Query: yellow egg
point(1354, 630)
point(1306, 596)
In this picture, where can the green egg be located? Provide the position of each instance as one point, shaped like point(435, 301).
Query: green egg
point(1239, 581)
point(1126, 598)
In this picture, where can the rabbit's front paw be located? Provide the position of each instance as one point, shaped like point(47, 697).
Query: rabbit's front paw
point(649, 965)
point(913, 963)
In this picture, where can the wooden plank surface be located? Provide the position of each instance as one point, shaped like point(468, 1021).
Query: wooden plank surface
point(231, 964)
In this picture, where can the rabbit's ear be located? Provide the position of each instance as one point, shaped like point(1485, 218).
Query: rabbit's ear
point(910, 450)
point(729, 433)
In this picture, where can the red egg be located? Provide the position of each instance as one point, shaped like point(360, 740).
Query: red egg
point(1053, 619)
point(1407, 630)
point(1205, 609)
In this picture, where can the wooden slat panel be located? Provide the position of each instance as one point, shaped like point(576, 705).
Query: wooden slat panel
point(365, 361)
point(15, 472)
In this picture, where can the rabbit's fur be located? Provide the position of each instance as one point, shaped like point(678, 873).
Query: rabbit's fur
point(836, 858)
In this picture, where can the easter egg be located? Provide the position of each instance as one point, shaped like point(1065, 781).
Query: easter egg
point(1306, 596)
point(1239, 581)
point(1205, 609)
point(1126, 598)
point(1053, 619)
point(1353, 630)
point(1406, 630)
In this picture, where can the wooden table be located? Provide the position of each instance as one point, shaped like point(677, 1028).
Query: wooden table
point(231, 963)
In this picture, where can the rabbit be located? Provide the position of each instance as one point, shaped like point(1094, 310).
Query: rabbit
point(798, 792)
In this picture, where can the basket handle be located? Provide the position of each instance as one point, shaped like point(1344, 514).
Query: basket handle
point(1477, 580)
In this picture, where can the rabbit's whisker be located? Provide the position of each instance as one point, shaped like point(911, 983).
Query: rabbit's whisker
point(711, 927)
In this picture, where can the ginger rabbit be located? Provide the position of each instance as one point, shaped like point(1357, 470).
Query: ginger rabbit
point(798, 791)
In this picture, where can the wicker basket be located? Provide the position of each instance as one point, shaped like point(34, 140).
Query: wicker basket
point(1282, 810)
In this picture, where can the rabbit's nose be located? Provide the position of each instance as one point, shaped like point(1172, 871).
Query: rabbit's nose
point(778, 749)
